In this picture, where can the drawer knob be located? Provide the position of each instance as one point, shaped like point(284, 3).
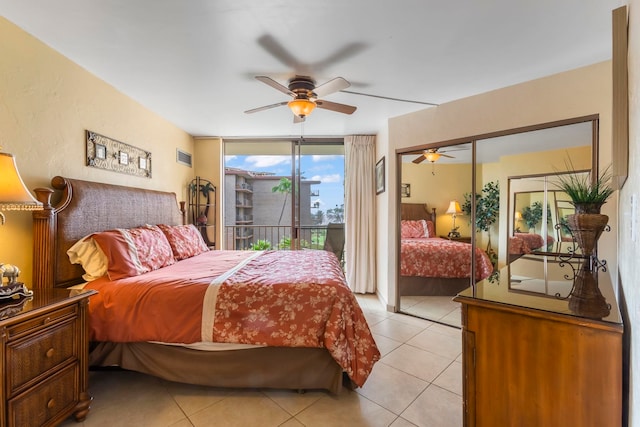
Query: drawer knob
point(47, 320)
point(51, 403)
point(49, 353)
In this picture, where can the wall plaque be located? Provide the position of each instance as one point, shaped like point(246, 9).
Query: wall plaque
point(109, 154)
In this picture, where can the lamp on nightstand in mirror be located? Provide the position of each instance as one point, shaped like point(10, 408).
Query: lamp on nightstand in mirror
point(13, 196)
point(454, 210)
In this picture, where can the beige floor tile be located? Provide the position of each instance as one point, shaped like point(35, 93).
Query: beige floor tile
point(451, 378)
point(435, 407)
point(182, 423)
point(194, 398)
point(454, 318)
point(248, 408)
point(127, 398)
point(391, 388)
point(417, 362)
point(401, 422)
point(348, 410)
point(446, 330)
point(385, 345)
point(373, 317)
point(393, 329)
point(292, 401)
point(292, 422)
point(435, 342)
point(411, 320)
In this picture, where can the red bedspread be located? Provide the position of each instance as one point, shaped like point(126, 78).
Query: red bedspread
point(436, 257)
point(279, 298)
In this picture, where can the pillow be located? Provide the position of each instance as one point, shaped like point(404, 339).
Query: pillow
point(430, 229)
point(413, 229)
point(134, 251)
point(89, 255)
point(185, 240)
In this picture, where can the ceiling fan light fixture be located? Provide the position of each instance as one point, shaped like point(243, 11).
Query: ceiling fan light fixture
point(432, 157)
point(301, 107)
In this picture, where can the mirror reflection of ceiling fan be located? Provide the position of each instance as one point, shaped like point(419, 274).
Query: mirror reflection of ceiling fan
point(432, 155)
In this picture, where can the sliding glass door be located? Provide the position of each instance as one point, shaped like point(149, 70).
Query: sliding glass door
point(281, 194)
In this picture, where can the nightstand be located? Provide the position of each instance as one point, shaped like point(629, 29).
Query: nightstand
point(45, 349)
point(458, 239)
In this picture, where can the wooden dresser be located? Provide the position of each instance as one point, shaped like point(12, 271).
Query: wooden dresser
point(45, 358)
point(528, 360)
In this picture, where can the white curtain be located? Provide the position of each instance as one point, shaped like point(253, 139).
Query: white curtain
point(360, 212)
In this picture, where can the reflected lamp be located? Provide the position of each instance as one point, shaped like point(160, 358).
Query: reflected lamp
point(301, 107)
point(454, 210)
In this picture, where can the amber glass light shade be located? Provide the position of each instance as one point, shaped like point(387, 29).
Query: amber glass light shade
point(302, 107)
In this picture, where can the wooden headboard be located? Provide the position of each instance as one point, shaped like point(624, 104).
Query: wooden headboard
point(415, 211)
point(87, 207)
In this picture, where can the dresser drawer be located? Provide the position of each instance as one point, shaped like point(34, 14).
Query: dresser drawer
point(46, 402)
point(35, 354)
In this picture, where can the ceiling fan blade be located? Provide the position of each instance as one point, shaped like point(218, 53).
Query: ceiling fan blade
point(420, 159)
point(334, 106)
point(333, 85)
point(266, 107)
point(340, 55)
point(274, 84)
point(444, 155)
point(278, 51)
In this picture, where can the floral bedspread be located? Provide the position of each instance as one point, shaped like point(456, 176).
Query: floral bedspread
point(436, 257)
point(278, 298)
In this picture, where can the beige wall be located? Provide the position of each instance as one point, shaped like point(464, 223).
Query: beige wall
point(629, 218)
point(575, 93)
point(46, 104)
point(208, 165)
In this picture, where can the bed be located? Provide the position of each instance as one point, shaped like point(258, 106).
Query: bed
point(253, 328)
point(431, 265)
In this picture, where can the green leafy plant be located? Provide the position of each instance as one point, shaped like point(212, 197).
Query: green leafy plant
point(586, 195)
point(261, 245)
point(487, 205)
point(532, 215)
point(285, 243)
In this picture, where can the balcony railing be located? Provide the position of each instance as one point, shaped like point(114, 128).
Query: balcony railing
point(262, 237)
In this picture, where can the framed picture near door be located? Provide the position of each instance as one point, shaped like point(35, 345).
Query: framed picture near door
point(380, 176)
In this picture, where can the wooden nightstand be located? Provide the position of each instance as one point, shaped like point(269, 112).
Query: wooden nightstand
point(45, 350)
point(458, 239)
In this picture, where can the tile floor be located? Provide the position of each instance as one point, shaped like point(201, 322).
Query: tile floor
point(416, 383)
point(441, 309)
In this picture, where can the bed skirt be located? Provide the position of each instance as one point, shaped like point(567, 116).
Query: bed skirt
point(264, 367)
point(431, 286)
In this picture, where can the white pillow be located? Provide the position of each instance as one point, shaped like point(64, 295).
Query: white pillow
point(89, 255)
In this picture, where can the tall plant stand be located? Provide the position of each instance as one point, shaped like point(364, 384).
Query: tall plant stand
point(202, 209)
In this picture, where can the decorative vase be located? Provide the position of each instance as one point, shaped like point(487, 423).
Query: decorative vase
point(587, 229)
point(586, 299)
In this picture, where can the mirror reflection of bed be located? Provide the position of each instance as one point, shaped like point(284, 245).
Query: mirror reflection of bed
point(433, 267)
point(532, 152)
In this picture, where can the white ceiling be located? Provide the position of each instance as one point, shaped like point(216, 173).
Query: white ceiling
point(193, 62)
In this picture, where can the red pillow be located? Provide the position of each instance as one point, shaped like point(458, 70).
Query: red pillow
point(412, 229)
point(135, 251)
point(431, 229)
point(185, 240)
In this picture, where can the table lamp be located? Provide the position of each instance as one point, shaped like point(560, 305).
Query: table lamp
point(13, 196)
point(454, 210)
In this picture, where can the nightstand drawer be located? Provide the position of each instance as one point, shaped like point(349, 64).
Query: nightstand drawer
point(47, 401)
point(35, 354)
point(32, 325)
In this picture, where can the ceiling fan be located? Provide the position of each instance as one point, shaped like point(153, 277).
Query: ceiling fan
point(305, 96)
point(432, 155)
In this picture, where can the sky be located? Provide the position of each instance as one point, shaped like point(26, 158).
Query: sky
point(328, 169)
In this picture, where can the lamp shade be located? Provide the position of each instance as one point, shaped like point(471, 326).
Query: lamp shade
point(518, 216)
point(13, 193)
point(454, 208)
point(301, 107)
point(432, 157)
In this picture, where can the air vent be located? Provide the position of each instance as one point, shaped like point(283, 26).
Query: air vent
point(183, 157)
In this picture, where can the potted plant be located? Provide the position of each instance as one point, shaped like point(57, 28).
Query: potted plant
point(587, 196)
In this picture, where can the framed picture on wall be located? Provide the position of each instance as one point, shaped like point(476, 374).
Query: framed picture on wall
point(380, 176)
point(405, 190)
